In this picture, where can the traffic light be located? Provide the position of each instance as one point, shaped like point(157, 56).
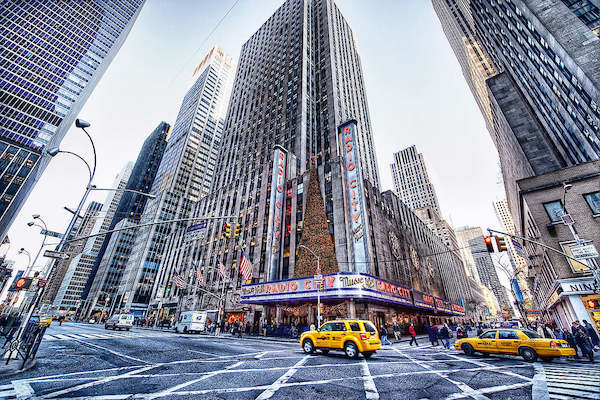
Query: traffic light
point(501, 243)
point(226, 230)
point(23, 283)
point(237, 233)
point(489, 244)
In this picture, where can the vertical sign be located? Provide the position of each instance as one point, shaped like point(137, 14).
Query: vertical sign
point(276, 212)
point(354, 195)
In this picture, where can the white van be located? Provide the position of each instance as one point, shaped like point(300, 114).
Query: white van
point(119, 321)
point(192, 321)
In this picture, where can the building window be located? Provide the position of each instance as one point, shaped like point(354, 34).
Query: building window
point(555, 210)
point(593, 200)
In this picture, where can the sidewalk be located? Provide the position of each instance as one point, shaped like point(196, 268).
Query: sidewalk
point(14, 367)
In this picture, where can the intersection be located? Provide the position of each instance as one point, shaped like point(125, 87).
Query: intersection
point(78, 361)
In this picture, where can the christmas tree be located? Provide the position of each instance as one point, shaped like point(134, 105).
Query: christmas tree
point(315, 234)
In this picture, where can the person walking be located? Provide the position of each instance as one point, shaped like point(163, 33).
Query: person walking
point(548, 334)
point(558, 333)
point(383, 334)
point(568, 336)
point(591, 332)
point(413, 335)
point(583, 340)
point(445, 336)
point(479, 330)
point(396, 328)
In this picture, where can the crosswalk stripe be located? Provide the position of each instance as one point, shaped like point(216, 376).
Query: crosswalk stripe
point(572, 381)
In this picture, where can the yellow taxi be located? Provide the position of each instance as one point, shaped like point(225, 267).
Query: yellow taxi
point(528, 344)
point(351, 336)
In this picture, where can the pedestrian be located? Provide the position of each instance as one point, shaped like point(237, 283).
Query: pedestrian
point(548, 334)
point(413, 335)
point(479, 330)
point(584, 342)
point(312, 327)
point(383, 334)
point(460, 333)
point(568, 336)
point(445, 336)
point(240, 329)
point(432, 331)
point(557, 333)
point(396, 328)
point(591, 332)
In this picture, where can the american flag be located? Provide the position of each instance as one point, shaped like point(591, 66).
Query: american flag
point(246, 266)
point(222, 270)
point(179, 281)
point(199, 274)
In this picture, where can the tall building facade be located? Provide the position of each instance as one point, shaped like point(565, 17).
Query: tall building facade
point(463, 236)
point(185, 173)
point(298, 124)
point(46, 77)
point(113, 255)
point(438, 225)
point(411, 180)
point(82, 227)
point(77, 274)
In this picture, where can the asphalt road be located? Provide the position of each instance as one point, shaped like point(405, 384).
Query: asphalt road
point(78, 361)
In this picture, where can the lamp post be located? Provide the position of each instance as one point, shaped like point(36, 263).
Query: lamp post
point(318, 279)
point(23, 251)
point(45, 227)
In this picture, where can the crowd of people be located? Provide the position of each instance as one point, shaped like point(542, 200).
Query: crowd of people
point(582, 337)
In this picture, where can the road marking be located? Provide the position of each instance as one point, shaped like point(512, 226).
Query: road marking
point(482, 364)
point(492, 389)
point(270, 391)
point(22, 389)
point(539, 389)
point(111, 351)
point(204, 352)
point(570, 380)
point(368, 382)
point(466, 389)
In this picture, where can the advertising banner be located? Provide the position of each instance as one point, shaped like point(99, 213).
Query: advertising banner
point(12, 287)
point(423, 300)
point(517, 290)
point(443, 305)
point(274, 235)
point(354, 195)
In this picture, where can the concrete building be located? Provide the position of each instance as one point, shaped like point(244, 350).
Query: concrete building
point(185, 174)
point(463, 236)
point(438, 225)
point(80, 266)
point(82, 227)
point(298, 168)
point(411, 180)
point(130, 208)
point(561, 285)
point(47, 76)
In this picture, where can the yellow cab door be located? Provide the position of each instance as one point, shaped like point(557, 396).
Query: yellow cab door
point(338, 332)
point(323, 337)
point(487, 341)
point(508, 341)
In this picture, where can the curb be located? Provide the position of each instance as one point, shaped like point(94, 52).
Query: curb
point(28, 365)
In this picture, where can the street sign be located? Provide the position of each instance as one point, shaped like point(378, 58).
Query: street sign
point(195, 232)
point(519, 248)
point(567, 219)
point(51, 233)
point(56, 254)
point(584, 251)
point(41, 283)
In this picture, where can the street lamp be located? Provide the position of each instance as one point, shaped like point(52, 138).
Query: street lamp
point(45, 228)
point(318, 279)
point(23, 251)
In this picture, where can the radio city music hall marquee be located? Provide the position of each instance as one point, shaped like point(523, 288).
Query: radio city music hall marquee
point(341, 285)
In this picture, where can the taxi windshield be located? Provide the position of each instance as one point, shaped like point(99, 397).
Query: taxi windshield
point(531, 334)
point(369, 327)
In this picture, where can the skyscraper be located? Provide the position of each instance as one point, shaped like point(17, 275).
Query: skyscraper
point(80, 267)
point(544, 85)
point(46, 76)
point(411, 180)
point(114, 253)
point(298, 178)
point(185, 172)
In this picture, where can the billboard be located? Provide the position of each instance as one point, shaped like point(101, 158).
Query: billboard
point(12, 287)
point(354, 195)
point(274, 235)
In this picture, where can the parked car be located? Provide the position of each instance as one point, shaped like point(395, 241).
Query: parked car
point(523, 342)
point(119, 321)
point(192, 321)
point(350, 336)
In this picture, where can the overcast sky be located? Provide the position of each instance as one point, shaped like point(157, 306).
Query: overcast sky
point(415, 89)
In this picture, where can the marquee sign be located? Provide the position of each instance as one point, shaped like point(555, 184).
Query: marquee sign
point(458, 309)
point(354, 194)
point(339, 285)
point(274, 236)
point(423, 300)
point(443, 305)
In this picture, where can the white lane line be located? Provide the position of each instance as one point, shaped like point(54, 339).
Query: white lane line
point(261, 355)
point(492, 389)
point(111, 351)
point(466, 389)
point(270, 391)
point(482, 364)
point(539, 390)
point(203, 352)
point(174, 389)
point(368, 382)
point(22, 389)
point(62, 337)
point(49, 337)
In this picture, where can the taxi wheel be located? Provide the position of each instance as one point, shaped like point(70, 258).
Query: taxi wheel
point(468, 349)
point(528, 354)
point(308, 346)
point(351, 350)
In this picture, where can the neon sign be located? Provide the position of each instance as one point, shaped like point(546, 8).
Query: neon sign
point(354, 195)
point(276, 211)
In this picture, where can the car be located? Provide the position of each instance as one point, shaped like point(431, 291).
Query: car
point(119, 321)
point(353, 337)
point(193, 321)
point(528, 344)
point(44, 320)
